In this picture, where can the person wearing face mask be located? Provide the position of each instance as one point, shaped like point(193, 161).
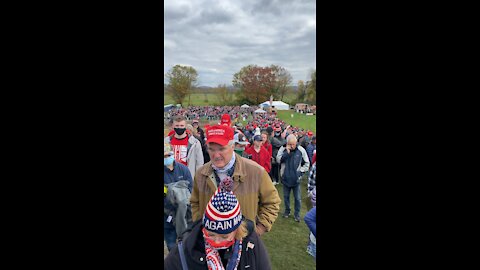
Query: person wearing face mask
point(241, 144)
point(176, 212)
point(223, 239)
point(277, 142)
point(186, 148)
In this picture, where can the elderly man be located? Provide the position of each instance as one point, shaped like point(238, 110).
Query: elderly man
point(252, 186)
point(186, 148)
point(291, 157)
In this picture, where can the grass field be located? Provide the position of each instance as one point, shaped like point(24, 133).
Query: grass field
point(299, 120)
point(287, 241)
point(198, 99)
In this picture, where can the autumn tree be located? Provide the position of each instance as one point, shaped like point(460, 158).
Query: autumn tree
point(223, 95)
point(283, 79)
point(255, 83)
point(181, 80)
point(311, 88)
point(301, 91)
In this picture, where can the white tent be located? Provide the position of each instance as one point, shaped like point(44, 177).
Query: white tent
point(260, 111)
point(244, 106)
point(279, 105)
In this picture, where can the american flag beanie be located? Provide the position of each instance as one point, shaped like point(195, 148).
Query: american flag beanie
point(222, 214)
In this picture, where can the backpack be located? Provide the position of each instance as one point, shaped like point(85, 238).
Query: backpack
point(179, 196)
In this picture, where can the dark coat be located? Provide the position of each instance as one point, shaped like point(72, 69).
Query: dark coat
point(194, 249)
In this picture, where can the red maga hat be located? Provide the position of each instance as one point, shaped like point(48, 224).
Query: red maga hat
point(219, 134)
point(226, 119)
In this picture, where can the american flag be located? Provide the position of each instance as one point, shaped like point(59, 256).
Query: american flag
point(223, 206)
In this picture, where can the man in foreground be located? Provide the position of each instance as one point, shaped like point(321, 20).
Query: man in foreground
point(250, 182)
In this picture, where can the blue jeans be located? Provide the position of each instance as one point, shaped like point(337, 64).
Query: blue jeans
point(296, 195)
point(169, 233)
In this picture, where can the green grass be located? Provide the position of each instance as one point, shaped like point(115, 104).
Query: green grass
point(198, 99)
point(287, 241)
point(299, 120)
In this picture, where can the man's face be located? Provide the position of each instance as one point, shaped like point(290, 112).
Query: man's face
point(195, 125)
point(220, 155)
point(292, 144)
point(181, 124)
point(257, 143)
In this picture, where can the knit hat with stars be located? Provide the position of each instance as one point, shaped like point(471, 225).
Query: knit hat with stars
point(222, 214)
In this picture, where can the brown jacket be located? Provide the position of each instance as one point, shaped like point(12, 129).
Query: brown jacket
point(258, 197)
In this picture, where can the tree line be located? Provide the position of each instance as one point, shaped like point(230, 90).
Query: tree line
point(255, 84)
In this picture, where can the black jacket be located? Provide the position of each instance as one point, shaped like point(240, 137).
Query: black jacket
point(194, 249)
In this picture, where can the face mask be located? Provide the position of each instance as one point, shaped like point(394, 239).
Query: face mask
point(277, 133)
point(168, 161)
point(239, 151)
point(179, 131)
point(218, 245)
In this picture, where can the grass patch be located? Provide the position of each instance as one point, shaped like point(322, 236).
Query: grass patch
point(211, 99)
point(299, 120)
point(196, 99)
point(287, 241)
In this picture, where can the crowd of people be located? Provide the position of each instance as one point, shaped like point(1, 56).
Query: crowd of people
point(211, 112)
point(220, 185)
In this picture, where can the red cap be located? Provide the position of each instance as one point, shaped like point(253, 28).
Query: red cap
point(219, 134)
point(225, 119)
point(266, 125)
point(309, 133)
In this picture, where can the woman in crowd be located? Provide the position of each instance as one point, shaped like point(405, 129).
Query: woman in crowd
point(222, 240)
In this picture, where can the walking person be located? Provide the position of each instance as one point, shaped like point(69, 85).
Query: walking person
point(253, 188)
point(259, 154)
point(294, 163)
point(187, 149)
point(277, 142)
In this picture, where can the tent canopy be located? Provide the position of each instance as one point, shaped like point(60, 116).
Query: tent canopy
point(279, 105)
point(244, 106)
point(260, 111)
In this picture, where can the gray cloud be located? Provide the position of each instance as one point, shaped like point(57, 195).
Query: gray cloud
point(219, 37)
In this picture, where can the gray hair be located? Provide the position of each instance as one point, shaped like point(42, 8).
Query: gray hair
point(291, 137)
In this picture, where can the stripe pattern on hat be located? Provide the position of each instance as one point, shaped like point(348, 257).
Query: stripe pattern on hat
point(222, 214)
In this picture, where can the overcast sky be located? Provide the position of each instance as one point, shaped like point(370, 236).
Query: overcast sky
point(219, 37)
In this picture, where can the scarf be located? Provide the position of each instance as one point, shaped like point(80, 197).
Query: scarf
point(227, 171)
point(226, 168)
point(214, 261)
